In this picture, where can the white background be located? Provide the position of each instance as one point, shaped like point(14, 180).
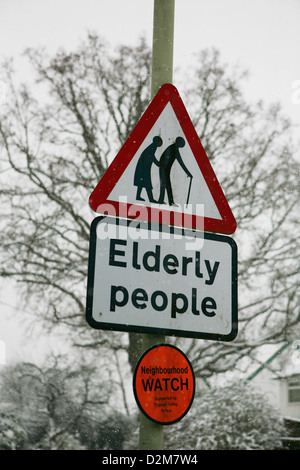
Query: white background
point(108, 275)
point(262, 35)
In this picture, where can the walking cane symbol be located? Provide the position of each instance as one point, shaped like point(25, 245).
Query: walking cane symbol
point(189, 191)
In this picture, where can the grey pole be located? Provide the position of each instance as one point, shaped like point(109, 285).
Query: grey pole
point(151, 434)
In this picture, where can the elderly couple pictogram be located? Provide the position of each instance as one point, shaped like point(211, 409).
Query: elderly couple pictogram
point(142, 176)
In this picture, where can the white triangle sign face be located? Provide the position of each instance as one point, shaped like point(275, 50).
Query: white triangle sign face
point(162, 173)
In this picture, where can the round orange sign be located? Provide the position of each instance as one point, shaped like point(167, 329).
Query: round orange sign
point(164, 384)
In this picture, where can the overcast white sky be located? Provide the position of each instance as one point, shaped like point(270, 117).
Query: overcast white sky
point(262, 35)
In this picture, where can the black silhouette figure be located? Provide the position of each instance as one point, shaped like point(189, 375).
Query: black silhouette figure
point(142, 175)
point(165, 164)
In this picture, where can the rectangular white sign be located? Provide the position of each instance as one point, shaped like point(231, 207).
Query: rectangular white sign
point(161, 279)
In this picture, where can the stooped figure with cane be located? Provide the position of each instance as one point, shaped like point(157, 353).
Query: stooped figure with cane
point(142, 176)
point(165, 165)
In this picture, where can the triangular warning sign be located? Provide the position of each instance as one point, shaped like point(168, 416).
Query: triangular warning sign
point(162, 173)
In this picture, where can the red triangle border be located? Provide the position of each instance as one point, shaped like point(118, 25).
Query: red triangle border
point(100, 203)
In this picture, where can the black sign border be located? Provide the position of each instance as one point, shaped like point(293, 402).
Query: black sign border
point(153, 330)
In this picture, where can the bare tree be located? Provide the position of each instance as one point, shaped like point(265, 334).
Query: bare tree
point(251, 149)
point(56, 150)
point(55, 145)
point(56, 406)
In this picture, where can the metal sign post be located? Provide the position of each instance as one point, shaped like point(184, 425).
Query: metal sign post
point(151, 434)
